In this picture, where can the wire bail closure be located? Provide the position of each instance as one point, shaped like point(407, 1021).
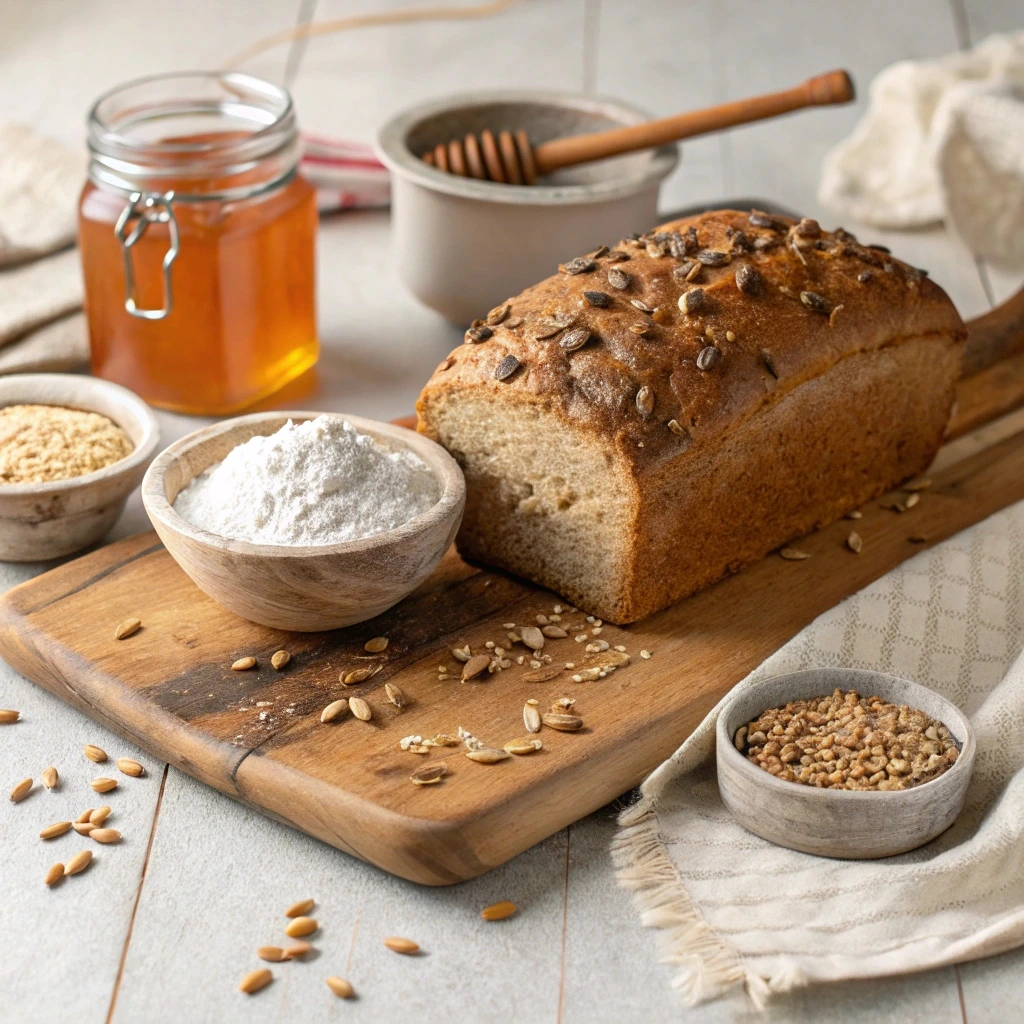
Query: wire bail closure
point(149, 208)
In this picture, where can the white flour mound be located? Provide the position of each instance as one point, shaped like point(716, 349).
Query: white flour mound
point(317, 482)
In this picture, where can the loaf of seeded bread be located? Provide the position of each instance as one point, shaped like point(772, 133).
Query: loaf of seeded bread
point(655, 416)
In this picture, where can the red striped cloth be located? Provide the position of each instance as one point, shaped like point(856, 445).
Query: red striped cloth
point(346, 175)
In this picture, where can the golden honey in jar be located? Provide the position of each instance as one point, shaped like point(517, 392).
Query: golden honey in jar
point(198, 242)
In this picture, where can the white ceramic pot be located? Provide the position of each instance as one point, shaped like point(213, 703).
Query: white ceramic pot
point(463, 245)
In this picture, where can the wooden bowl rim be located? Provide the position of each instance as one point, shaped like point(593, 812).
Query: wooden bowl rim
point(452, 486)
point(858, 677)
point(82, 388)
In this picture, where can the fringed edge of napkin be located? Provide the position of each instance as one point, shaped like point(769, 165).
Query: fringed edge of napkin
point(707, 966)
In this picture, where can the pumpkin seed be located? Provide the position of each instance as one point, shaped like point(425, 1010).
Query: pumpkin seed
point(333, 710)
point(428, 775)
point(575, 339)
point(21, 790)
point(105, 835)
point(94, 753)
point(300, 926)
point(532, 637)
point(103, 785)
point(272, 954)
point(8, 717)
point(395, 695)
point(645, 401)
point(376, 645)
point(255, 980)
point(499, 911)
point(243, 664)
point(340, 987)
point(531, 718)
point(360, 709)
point(709, 357)
point(50, 777)
point(300, 909)
point(58, 828)
point(563, 723)
point(506, 368)
point(523, 745)
point(279, 659)
point(127, 629)
point(475, 666)
point(55, 874)
point(78, 863)
point(404, 946)
point(487, 755)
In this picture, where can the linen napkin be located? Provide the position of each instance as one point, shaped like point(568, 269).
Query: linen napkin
point(40, 279)
point(941, 140)
point(734, 910)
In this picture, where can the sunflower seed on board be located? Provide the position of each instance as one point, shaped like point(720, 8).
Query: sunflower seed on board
point(50, 778)
point(298, 927)
point(105, 835)
point(395, 695)
point(333, 710)
point(793, 554)
point(94, 753)
point(280, 659)
point(561, 722)
point(506, 368)
point(618, 279)
point(340, 987)
point(8, 717)
point(523, 745)
point(272, 954)
point(709, 357)
point(462, 653)
point(129, 767)
point(817, 303)
point(532, 637)
point(692, 300)
point(360, 709)
point(428, 775)
point(499, 911)
point(78, 863)
point(127, 628)
point(487, 755)
point(55, 874)
point(243, 664)
point(103, 785)
point(854, 542)
point(255, 980)
point(553, 631)
point(376, 645)
point(21, 790)
point(358, 675)
point(645, 401)
point(404, 946)
point(58, 828)
point(574, 339)
point(475, 666)
point(531, 718)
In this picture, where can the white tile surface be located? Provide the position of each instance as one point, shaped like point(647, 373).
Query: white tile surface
point(220, 875)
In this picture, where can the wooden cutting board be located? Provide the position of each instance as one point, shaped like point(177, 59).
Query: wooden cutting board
point(257, 735)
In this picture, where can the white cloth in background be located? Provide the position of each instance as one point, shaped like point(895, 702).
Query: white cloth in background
point(941, 140)
point(734, 910)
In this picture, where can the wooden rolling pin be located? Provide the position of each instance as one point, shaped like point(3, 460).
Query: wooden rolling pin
point(510, 158)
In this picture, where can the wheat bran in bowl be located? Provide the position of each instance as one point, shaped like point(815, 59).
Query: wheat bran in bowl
point(44, 443)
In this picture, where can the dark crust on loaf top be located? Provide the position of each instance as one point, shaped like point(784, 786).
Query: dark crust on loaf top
point(815, 297)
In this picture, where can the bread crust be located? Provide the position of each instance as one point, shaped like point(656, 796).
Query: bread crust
point(783, 305)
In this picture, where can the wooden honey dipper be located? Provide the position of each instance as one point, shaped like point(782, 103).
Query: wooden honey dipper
point(509, 158)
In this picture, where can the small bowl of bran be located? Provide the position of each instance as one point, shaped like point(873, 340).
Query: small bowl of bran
point(72, 449)
point(843, 762)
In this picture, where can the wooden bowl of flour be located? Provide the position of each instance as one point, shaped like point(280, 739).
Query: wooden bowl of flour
point(306, 588)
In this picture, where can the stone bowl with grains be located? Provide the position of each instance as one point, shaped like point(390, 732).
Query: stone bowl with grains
point(843, 762)
point(72, 449)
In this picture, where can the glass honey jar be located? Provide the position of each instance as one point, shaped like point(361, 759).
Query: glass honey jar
point(198, 241)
